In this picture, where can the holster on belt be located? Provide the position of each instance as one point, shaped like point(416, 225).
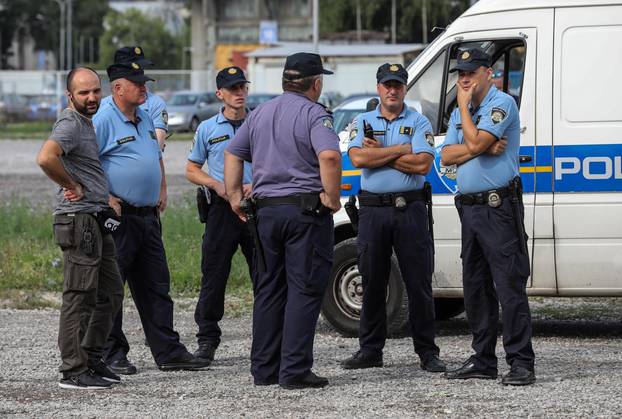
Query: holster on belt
point(108, 220)
point(250, 211)
point(427, 189)
point(203, 203)
point(353, 212)
point(516, 198)
point(311, 204)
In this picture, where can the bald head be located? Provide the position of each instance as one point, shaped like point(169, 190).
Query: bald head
point(84, 90)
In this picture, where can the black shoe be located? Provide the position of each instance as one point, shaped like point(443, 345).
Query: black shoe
point(99, 368)
point(433, 364)
point(187, 362)
point(85, 381)
point(122, 366)
point(519, 376)
point(267, 382)
point(469, 370)
point(309, 381)
point(361, 360)
point(205, 351)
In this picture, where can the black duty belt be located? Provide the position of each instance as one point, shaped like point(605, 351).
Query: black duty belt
point(493, 197)
point(127, 209)
point(283, 200)
point(397, 199)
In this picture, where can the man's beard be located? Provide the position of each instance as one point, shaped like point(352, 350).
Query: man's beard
point(83, 108)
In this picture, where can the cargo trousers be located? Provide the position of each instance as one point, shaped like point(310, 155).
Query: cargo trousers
point(92, 290)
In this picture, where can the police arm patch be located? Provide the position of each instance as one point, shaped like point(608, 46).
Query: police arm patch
point(353, 133)
point(429, 137)
point(165, 117)
point(497, 115)
point(328, 123)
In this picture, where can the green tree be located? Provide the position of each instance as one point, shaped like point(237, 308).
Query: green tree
point(136, 28)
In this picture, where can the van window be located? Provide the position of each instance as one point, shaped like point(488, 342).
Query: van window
point(427, 89)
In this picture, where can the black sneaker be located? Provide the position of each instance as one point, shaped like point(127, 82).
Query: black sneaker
point(519, 376)
point(85, 381)
point(205, 351)
point(99, 368)
point(186, 362)
point(122, 366)
point(309, 381)
point(362, 360)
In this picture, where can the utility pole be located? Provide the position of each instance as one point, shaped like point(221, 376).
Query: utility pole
point(61, 46)
point(393, 22)
point(69, 35)
point(424, 21)
point(316, 26)
point(358, 20)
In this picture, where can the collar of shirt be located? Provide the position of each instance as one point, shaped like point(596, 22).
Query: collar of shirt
point(221, 118)
point(492, 91)
point(402, 114)
point(123, 117)
point(288, 92)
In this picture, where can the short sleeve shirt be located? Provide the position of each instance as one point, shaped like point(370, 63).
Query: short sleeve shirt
point(498, 115)
point(130, 155)
point(282, 138)
point(410, 127)
point(75, 135)
point(210, 141)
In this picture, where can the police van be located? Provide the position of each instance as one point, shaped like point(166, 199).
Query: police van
point(560, 61)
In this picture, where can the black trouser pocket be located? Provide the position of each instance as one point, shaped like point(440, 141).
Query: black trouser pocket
point(64, 231)
point(516, 262)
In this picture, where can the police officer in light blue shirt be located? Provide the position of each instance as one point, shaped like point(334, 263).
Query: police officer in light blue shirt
point(154, 105)
point(132, 161)
point(224, 231)
point(483, 139)
point(394, 146)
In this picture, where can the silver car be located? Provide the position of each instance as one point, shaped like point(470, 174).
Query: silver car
point(186, 109)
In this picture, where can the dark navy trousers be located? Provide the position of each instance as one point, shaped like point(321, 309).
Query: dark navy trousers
point(142, 262)
point(298, 250)
point(224, 231)
point(383, 230)
point(495, 271)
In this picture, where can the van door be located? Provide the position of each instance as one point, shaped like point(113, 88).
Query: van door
point(587, 149)
point(514, 64)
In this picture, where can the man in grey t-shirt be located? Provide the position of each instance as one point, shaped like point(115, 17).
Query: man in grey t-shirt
point(92, 287)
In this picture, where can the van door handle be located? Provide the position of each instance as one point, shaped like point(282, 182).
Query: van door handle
point(524, 158)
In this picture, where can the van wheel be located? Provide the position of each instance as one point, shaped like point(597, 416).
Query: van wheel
point(341, 306)
point(446, 308)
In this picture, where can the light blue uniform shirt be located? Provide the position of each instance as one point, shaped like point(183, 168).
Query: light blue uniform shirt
point(154, 106)
point(210, 141)
point(129, 154)
point(498, 115)
point(409, 127)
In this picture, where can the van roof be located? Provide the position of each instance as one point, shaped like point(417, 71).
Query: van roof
point(492, 6)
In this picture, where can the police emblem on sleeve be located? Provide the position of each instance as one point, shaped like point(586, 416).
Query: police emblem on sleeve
point(327, 123)
point(394, 68)
point(429, 137)
point(353, 133)
point(497, 115)
point(165, 117)
point(232, 71)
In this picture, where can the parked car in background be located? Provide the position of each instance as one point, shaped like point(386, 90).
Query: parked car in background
point(256, 99)
point(186, 109)
point(330, 99)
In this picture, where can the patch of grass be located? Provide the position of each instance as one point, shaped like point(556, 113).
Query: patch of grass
point(31, 263)
point(26, 130)
point(181, 136)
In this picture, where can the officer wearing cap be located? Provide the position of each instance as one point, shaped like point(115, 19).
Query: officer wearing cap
point(296, 178)
point(132, 162)
point(154, 105)
point(393, 217)
point(224, 230)
point(483, 140)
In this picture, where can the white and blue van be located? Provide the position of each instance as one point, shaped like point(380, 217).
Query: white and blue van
point(560, 60)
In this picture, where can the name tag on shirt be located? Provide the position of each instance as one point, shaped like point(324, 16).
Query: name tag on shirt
point(379, 132)
point(218, 139)
point(406, 130)
point(126, 140)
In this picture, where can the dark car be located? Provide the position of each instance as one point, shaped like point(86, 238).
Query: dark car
point(186, 109)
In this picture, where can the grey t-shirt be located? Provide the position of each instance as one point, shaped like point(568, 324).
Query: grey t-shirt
point(75, 134)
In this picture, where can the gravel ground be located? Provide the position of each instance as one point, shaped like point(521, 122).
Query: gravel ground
point(579, 369)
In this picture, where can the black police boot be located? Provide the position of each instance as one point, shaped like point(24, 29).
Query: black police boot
point(187, 362)
point(205, 351)
point(433, 363)
point(518, 376)
point(362, 360)
point(470, 370)
point(308, 381)
point(122, 366)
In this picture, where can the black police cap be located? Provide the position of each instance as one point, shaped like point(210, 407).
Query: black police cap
point(230, 76)
point(305, 64)
point(471, 59)
point(388, 72)
point(131, 54)
point(131, 71)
